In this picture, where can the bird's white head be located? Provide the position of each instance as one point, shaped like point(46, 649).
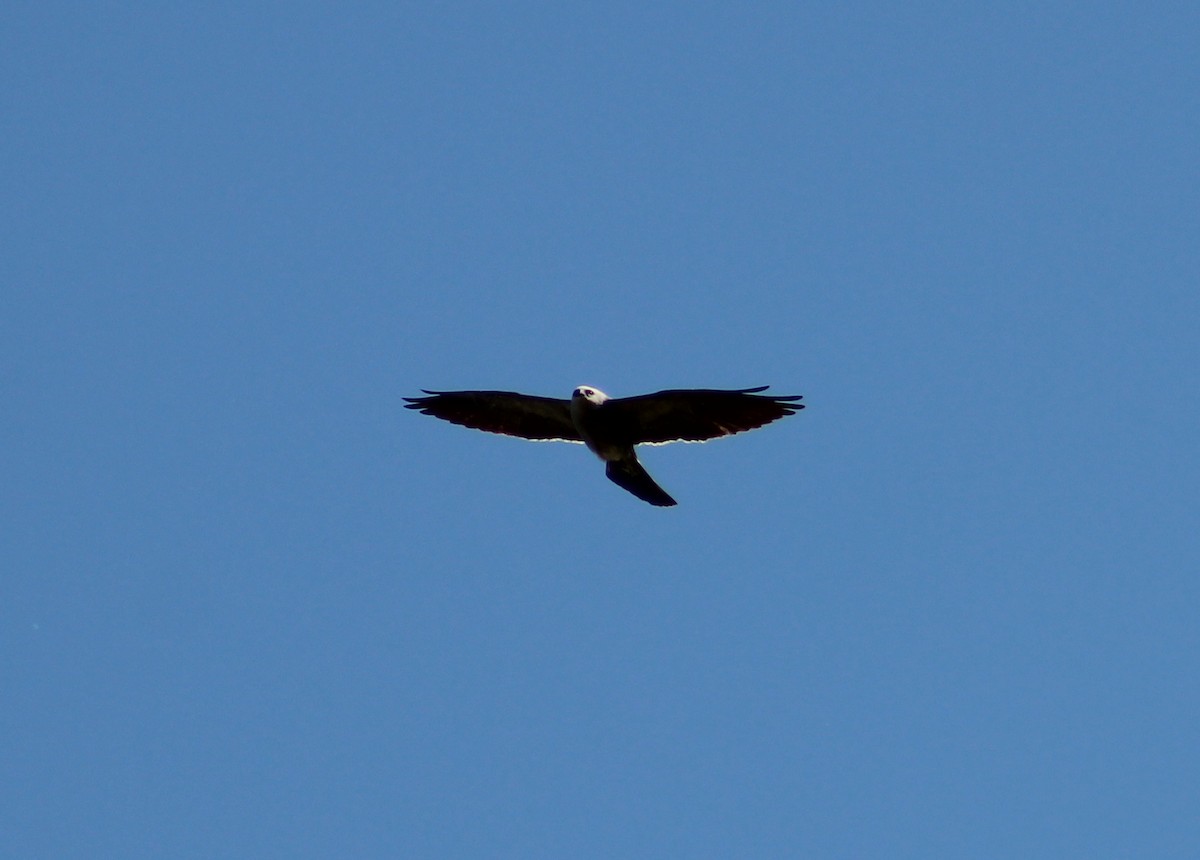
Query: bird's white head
point(592, 395)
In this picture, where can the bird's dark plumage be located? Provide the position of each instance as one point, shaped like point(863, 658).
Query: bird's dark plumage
point(632, 476)
point(698, 414)
point(612, 427)
point(507, 412)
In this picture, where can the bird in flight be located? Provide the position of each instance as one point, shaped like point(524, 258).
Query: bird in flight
point(612, 426)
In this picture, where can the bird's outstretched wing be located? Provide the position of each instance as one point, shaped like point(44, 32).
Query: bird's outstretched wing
point(507, 412)
point(696, 414)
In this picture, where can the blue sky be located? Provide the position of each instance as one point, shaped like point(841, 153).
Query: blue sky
point(251, 607)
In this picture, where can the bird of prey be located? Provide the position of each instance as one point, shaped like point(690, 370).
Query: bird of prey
point(612, 426)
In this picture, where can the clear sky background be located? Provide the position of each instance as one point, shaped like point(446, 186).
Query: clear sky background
point(251, 607)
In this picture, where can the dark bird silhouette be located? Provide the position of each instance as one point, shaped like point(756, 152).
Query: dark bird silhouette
point(612, 426)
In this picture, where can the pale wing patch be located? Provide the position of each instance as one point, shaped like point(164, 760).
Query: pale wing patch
point(684, 441)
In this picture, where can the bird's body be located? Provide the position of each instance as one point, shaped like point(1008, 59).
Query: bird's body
point(594, 425)
point(612, 427)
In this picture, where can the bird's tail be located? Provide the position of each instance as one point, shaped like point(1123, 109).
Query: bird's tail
point(629, 475)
